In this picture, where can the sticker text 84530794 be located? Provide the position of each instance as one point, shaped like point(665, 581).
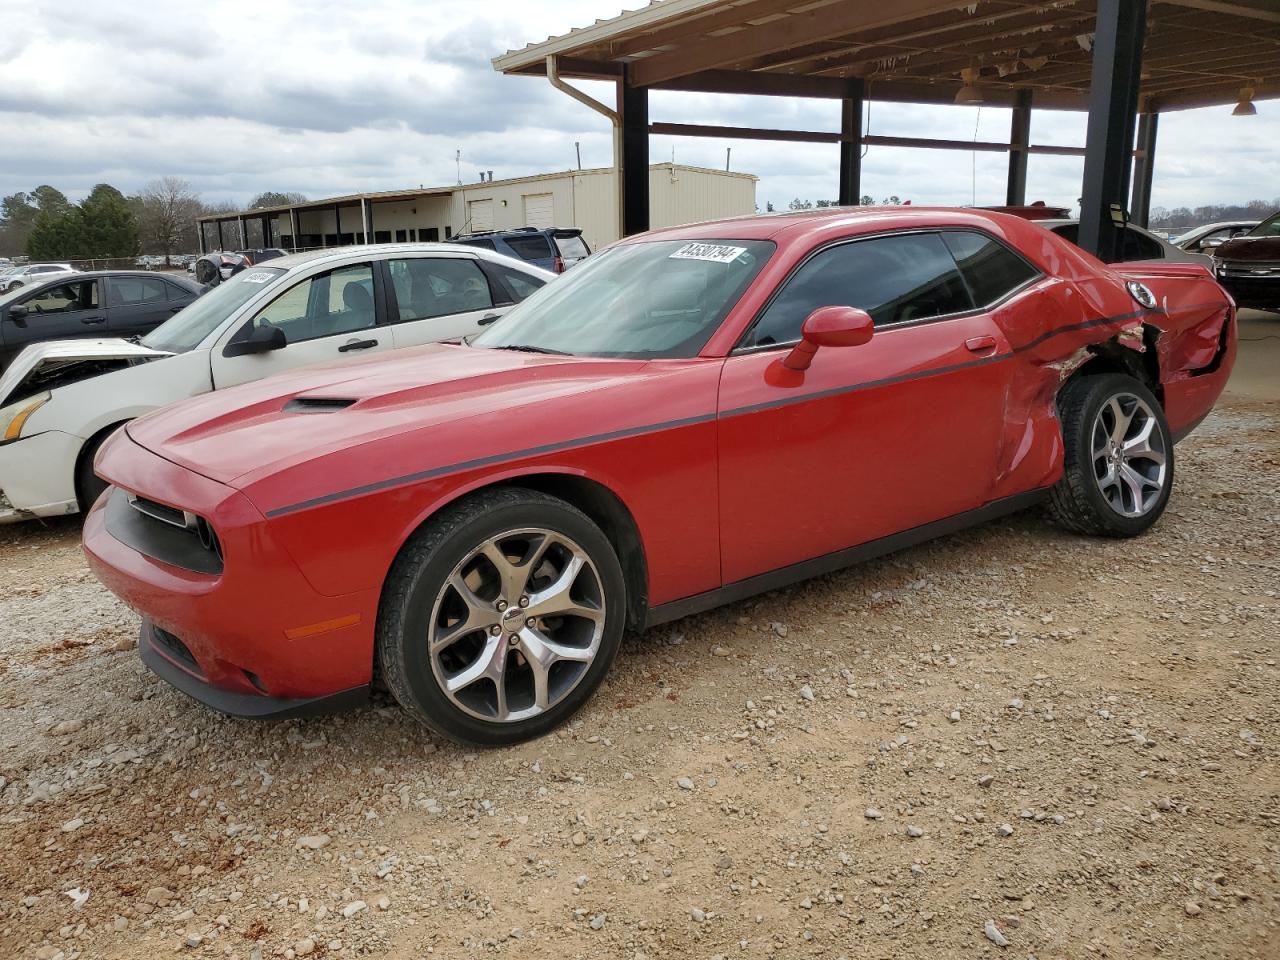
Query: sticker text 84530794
point(713, 252)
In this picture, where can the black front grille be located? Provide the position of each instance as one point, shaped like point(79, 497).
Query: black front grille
point(190, 545)
point(176, 649)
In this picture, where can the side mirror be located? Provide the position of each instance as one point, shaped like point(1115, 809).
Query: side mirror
point(1209, 243)
point(18, 314)
point(262, 339)
point(829, 327)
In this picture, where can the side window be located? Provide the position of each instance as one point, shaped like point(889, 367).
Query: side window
point(534, 247)
point(990, 268)
point(896, 279)
point(64, 298)
point(1138, 246)
point(176, 292)
point(435, 287)
point(129, 291)
point(486, 244)
point(340, 301)
point(521, 285)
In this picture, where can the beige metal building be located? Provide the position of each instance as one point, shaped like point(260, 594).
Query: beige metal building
point(574, 198)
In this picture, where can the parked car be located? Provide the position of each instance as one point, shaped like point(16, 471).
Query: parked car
point(59, 401)
point(554, 249)
point(1249, 266)
point(1212, 235)
point(696, 415)
point(16, 277)
point(262, 254)
point(1136, 244)
point(116, 303)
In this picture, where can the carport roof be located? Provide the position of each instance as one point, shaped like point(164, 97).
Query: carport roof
point(1198, 52)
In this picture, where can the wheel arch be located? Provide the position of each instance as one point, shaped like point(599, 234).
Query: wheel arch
point(90, 448)
point(1121, 354)
point(594, 498)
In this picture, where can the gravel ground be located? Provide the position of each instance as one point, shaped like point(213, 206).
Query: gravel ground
point(1012, 741)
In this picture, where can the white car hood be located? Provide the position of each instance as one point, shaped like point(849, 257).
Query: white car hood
point(42, 358)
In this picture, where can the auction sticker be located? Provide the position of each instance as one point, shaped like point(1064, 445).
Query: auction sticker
point(711, 252)
point(258, 277)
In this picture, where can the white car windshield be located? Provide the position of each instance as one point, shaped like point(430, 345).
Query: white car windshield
point(660, 298)
point(188, 327)
point(1269, 227)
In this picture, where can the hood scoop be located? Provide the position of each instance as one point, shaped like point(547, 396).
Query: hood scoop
point(318, 404)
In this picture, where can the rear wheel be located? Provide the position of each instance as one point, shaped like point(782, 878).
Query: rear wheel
point(501, 617)
point(1118, 458)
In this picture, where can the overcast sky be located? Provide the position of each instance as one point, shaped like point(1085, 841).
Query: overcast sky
point(331, 97)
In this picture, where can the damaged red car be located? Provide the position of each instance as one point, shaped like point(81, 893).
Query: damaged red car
point(692, 416)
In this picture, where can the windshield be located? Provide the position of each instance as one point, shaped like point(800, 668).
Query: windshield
point(663, 298)
point(190, 325)
point(1269, 227)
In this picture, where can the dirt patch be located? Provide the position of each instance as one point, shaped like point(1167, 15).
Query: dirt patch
point(1071, 739)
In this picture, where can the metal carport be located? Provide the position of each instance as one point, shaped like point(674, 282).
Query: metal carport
point(1117, 59)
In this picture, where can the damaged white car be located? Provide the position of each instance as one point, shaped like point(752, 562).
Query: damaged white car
point(60, 401)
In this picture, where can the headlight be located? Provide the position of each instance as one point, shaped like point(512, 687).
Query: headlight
point(15, 416)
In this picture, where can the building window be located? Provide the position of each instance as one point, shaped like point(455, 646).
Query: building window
point(382, 236)
point(430, 234)
point(402, 236)
point(448, 233)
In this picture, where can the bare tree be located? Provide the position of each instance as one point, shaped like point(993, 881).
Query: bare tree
point(168, 218)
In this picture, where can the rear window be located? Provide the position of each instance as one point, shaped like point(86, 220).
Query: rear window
point(571, 246)
point(530, 248)
point(486, 244)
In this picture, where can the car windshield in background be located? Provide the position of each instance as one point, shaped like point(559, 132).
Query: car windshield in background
point(1269, 227)
point(663, 298)
point(193, 323)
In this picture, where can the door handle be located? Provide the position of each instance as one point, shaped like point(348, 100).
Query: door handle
point(488, 318)
point(980, 344)
point(176, 308)
point(92, 320)
point(357, 345)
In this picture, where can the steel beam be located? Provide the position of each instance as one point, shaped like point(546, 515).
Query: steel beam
point(1019, 145)
point(1113, 110)
point(1144, 160)
point(851, 144)
point(633, 177)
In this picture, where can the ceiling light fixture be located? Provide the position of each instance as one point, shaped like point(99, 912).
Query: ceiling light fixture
point(1245, 107)
point(970, 92)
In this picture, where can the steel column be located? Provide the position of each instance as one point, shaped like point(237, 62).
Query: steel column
point(222, 243)
point(633, 109)
point(337, 225)
point(293, 228)
point(1019, 146)
point(1113, 108)
point(200, 237)
point(1144, 164)
point(244, 236)
point(851, 144)
point(366, 218)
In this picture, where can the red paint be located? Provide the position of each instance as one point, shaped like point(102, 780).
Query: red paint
point(730, 465)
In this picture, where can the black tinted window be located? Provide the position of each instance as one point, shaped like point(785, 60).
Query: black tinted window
point(486, 244)
point(530, 248)
point(896, 279)
point(1138, 246)
point(990, 268)
point(128, 291)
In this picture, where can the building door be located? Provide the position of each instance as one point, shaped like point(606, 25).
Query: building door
point(479, 216)
point(539, 210)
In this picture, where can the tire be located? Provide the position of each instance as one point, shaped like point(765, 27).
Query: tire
point(1114, 483)
point(452, 604)
point(89, 486)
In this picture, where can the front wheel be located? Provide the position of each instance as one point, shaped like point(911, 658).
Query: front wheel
point(1118, 457)
point(501, 617)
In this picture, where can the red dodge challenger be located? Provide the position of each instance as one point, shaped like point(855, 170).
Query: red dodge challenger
point(688, 418)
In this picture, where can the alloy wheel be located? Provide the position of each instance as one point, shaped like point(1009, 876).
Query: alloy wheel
point(1129, 461)
point(517, 625)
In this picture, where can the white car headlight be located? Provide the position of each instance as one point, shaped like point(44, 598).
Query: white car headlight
point(15, 416)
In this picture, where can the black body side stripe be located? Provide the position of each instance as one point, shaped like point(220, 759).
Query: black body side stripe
point(465, 465)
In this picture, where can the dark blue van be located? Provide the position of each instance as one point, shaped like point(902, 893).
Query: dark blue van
point(555, 249)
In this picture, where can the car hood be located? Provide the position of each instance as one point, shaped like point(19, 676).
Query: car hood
point(1250, 249)
point(43, 366)
point(239, 435)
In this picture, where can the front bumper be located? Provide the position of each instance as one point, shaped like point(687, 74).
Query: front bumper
point(252, 628)
point(157, 653)
point(37, 476)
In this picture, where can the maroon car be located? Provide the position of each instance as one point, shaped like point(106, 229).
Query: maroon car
point(1249, 266)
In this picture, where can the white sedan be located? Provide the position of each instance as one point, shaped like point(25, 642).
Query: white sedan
point(59, 401)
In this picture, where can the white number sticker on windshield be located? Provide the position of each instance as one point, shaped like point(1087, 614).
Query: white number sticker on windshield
point(711, 252)
point(257, 277)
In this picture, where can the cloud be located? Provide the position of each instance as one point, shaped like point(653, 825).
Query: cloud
point(330, 97)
